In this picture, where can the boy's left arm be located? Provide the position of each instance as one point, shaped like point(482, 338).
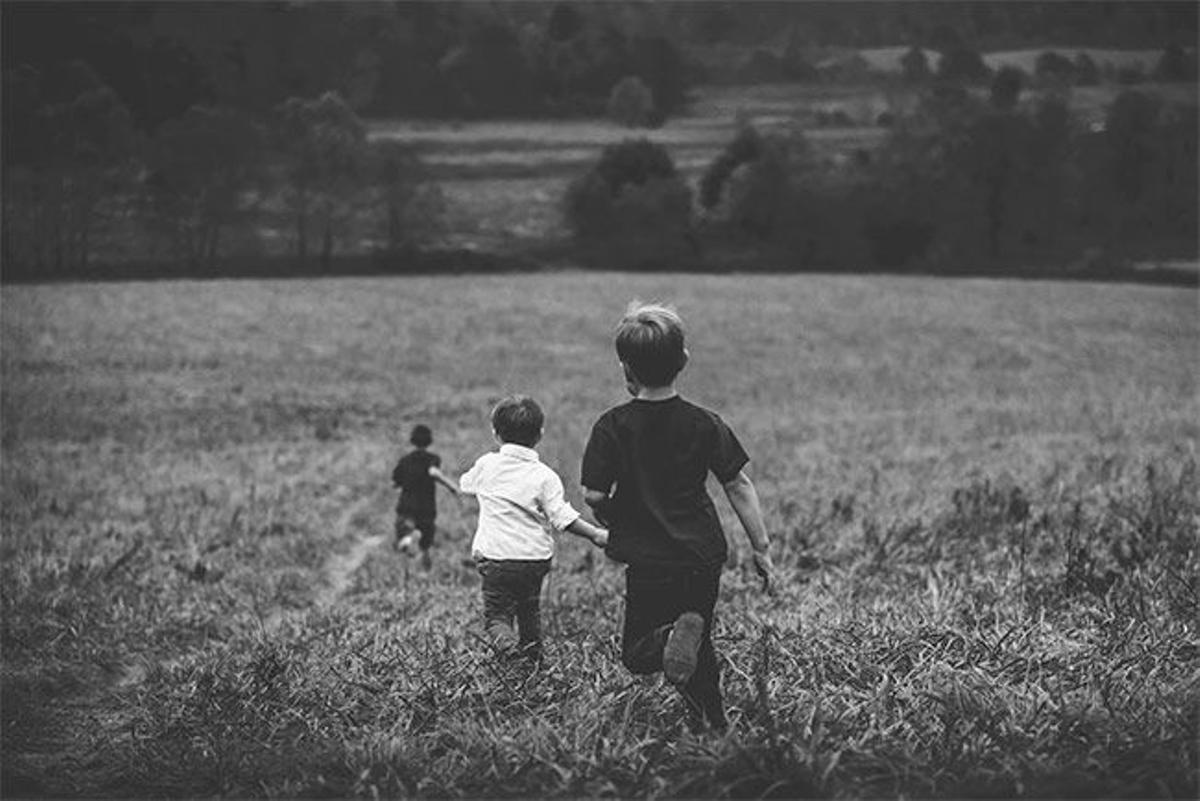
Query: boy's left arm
point(437, 475)
point(744, 499)
point(583, 528)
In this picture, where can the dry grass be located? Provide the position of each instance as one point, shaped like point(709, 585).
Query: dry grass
point(982, 496)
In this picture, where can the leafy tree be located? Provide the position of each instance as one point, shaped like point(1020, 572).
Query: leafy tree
point(632, 206)
point(412, 208)
point(324, 145)
point(565, 22)
point(488, 73)
point(914, 65)
point(1006, 87)
point(1176, 66)
point(1054, 65)
point(71, 153)
point(962, 64)
point(201, 165)
point(1086, 71)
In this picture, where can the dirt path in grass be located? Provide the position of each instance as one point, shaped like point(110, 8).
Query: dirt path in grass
point(77, 733)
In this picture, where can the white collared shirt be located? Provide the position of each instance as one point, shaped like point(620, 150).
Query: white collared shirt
point(518, 498)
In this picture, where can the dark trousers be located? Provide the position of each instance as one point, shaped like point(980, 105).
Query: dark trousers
point(406, 522)
point(512, 588)
point(654, 598)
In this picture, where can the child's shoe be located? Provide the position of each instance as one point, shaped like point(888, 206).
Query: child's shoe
point(407, 544)
point(503, 638)
point(683, 644)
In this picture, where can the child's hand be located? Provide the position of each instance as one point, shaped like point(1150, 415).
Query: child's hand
point(766, 570)
point(601, 538)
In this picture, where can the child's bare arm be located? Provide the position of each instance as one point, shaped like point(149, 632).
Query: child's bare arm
point(744, 499)
point(437, 475)
point(583, 528)
point(597, 500)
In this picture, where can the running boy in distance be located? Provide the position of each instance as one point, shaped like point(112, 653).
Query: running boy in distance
point(520, 502)
point(644, 472)
point(415, 476)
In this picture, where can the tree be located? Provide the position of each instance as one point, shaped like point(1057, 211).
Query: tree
point(631, 103)
point(1176, 66)
point(72, 149)
point(914, 65)
point(1054, 65)
point(201, 165)
point(632, 206)
point(962, 64)
point(1006, 87)
point(324, 145)
point(1086, 71)
point(412, 209)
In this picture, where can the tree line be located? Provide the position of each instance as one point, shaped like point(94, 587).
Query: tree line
point(969, 180)
point(195, 132)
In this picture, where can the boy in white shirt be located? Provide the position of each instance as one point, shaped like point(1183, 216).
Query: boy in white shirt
point(520, 504)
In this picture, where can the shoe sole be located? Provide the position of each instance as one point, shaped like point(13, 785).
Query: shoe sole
point(503, 638)
point(683, 645)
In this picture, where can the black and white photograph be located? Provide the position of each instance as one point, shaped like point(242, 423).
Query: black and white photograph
point(685, 399)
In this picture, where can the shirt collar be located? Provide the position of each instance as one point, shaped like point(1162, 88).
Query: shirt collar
point(519, 451)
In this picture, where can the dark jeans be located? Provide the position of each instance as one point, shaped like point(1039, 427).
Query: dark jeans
point(654, 598)
point(513, 588)
point(406, 522)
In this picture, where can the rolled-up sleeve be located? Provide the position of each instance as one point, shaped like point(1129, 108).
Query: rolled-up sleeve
point(468, 482)
point(555, 507)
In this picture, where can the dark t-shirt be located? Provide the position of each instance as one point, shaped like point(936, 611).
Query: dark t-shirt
point(416, 485)
point(659, 455)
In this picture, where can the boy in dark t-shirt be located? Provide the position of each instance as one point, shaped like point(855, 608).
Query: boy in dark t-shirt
point(415, 476)
point(644, 472)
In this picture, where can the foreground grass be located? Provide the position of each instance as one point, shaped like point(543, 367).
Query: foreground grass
point(983, 498)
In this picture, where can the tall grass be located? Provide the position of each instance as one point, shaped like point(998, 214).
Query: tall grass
point(982, 496)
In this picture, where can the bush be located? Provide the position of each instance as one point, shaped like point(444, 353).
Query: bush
point(1006, 87)
point(915, 65)
point(632, 208)
point(1175, 65)
point(963, 64)
point(1086, 71)
point(631, 103)
point(1051, 64)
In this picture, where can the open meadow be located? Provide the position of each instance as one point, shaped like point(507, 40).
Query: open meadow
point(982, 498)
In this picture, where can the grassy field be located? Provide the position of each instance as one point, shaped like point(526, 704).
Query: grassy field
point(982, 497)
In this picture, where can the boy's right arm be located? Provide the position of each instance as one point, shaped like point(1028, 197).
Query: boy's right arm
point(468, 482)
point(744, 499)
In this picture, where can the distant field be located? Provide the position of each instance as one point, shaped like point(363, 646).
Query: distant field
point(199, 598)
point(484, 165)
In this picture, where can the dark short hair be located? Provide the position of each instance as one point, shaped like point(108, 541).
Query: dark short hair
point(650, 343)
point(421, 436)
point(519, 420)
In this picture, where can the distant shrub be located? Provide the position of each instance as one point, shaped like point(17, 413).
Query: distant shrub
point(963, 64)
point(631, 103)
point(752, 184)
point(1130, 75)
point(761, 66)
point(1176, 66)
point(632, 208)
point(1006, 87)
point(1052, 64)
point(914, 65)
point(1086, 71)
